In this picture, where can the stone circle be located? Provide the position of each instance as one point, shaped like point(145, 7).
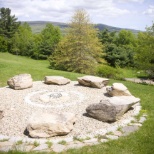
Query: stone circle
point(19, 106)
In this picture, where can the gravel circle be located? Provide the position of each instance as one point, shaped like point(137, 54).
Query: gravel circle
point(19, 105)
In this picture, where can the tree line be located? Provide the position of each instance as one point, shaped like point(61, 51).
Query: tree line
point(82, 49)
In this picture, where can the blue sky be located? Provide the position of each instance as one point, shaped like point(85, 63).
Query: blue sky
point(135, 14)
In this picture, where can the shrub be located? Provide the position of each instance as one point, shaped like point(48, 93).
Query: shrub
point(108, 72)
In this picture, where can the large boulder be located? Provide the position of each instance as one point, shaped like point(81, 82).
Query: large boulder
point(48, 125)
point(21, 81)
point(1, 114)
point(58, 80)
point(112, 108)
point(118, 89)
point(93, 81)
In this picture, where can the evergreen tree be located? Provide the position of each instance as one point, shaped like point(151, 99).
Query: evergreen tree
point(8, 26)
point(119, 48)
point(3, 44)
point(80, 49)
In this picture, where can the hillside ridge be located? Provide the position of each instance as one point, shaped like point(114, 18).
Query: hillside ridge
point(37, 26)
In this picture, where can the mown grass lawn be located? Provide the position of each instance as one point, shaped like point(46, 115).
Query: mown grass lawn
point(132, 73)
point(11, 65)
point(140, 142)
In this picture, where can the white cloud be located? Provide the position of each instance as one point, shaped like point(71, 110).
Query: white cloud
point(149, 11)
point(120, 13)
point(127, 1)
point(61, 10)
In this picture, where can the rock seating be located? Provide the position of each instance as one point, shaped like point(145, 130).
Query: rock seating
point(48, 125)
point(21, 81)
point(58, 80)
point(111, 109)
point(92, 81)
point(117, 89)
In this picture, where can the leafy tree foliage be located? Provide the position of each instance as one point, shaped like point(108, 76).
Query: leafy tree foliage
point(23, 41)
point(50, 37)
point(37, 46)
point(80, 49)
point(8, 27)
point(126, 38)
point(145, 50)
point(119, 48)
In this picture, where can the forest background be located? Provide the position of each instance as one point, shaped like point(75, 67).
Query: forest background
point(81, 47)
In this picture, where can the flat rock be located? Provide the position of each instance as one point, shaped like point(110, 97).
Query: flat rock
point(23, 147)
point(5, 144)
point(111, 109)
point(93, 81)
point(58, 80)
point(75, 146)
point(5, 149)
point(21, 81)
point(129, 129)
point(41, 147)
point(135, 124)
point(91, 143)
point(58, 147)
point(142, 119)
point(103, 140)
point(4, 137)
point(118, 89)
point(112, 137)
point(117, 133)
point(48, 125)
point(93, 140)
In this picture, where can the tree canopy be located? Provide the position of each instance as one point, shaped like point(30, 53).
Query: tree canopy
point(145, 50)
point(80, 49)
point(8, 26)
point(119, 47)
point(50, 36)
point(23, 41)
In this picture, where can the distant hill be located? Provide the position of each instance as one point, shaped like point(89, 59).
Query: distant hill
point(37, 26)
point(117, 29)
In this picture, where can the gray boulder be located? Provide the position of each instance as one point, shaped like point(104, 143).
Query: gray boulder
point(111, 109)
point(48, 125)
point(118, 89)
point(93, 81)
point(58, 80)
point(21, 81)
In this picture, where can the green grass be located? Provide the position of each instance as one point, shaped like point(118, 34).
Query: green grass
point(63, 142)
point(131, 73)
point(140, 142)
point(36, 144)
point(49, 143)
point(19, 142)
point(11, 65)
